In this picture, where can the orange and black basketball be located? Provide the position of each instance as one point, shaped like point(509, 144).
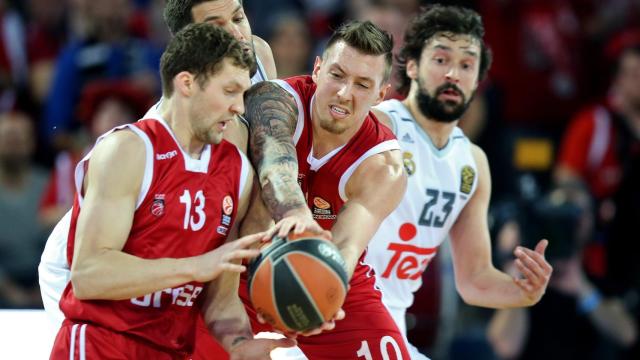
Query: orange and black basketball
point(297, 283)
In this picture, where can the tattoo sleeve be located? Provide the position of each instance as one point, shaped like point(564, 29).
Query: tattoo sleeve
point(272, 114)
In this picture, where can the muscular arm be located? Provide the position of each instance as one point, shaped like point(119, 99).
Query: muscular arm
point(104, 224)
point(478, 281)
point(258, 218)
point(272, 114)
point(374, 190)
point(224, 312)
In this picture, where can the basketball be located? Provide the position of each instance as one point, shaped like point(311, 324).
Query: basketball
point(298, 282)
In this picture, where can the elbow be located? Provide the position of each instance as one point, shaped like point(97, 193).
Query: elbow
point(472, 294)
point(468, 294)
point(81, 285)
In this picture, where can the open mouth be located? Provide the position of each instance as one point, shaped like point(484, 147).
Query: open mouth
point(338, 112)
point(451, 94)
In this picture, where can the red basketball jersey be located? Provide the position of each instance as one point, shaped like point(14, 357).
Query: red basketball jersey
point(185, 208)
point(323, 180)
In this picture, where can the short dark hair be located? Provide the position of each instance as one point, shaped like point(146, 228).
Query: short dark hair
point(177, 13)
point(186, 52)
point(367, 39)
point(437, 19)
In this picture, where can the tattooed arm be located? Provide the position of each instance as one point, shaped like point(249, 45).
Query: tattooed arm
point(272, 114)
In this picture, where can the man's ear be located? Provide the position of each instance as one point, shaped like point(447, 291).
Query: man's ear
point(316, 69)
point(184, 82)
point(382, 93)
point(412, 69)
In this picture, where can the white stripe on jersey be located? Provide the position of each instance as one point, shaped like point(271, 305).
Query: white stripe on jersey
point(83, 330)
point(300, 124)
point(381, 147)
point(72, 346)
point(148, 166)
point(244, 172)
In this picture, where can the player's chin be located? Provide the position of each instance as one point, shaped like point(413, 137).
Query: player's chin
point(214, 137)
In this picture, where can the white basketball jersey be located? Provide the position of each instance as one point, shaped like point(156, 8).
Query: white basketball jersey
point(440, 182)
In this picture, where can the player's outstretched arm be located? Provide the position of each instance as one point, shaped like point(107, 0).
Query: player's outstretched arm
point(478, 281)
point(374, 190)
point(100, 269)
point(272, 114)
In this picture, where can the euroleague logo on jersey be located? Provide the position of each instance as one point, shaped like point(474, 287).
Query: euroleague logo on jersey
point(157, 207)
point(227, 205)
point(322, 209)
point(225, 220)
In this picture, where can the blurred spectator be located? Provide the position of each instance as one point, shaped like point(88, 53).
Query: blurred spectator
point(596, 145)
point(13, 57)
point(261, 11)
point(103, 106)
point(623, 270)
point(22, 237)
point(537, 58)
point(106, 52)
point(574, 319)
point(592, 145)
point(46, 34)
point(291, 44)
point(389, 18)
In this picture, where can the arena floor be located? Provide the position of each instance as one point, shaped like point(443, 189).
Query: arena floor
point(25, 334)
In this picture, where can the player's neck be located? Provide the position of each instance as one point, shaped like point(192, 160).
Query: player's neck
point(438, 131)
point(176, 117)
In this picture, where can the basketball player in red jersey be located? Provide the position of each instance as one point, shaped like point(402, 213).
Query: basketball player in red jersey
point(157, 201)
point(348, 166)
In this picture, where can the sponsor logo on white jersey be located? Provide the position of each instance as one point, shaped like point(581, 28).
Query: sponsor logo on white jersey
point(407, 138)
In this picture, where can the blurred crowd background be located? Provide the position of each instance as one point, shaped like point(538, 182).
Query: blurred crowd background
point(559, 118)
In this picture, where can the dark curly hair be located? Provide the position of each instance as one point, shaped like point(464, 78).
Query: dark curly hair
point(177, 13)
point(367, 39)
point(437, 19)
point(186, 53)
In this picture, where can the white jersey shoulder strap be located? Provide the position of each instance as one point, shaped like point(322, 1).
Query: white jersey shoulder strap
point(80, 171)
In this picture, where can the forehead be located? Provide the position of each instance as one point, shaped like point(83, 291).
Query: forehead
point(231, 75)
point(454, 43)
point(354, 62)
point(215, 9)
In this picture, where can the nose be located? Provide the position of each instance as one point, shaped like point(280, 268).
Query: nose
point(234, 30)
point(237, 107)
point(452, 75)
point(344, 93)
